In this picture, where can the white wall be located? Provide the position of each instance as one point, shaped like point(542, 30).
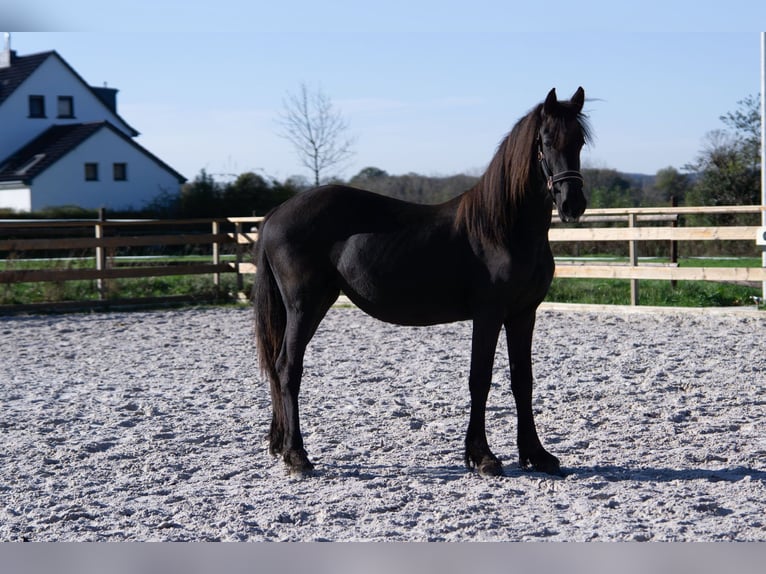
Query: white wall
point(51, 79)
point(146, 178)
point(18, 199)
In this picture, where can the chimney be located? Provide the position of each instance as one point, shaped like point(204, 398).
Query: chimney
point(6, 56)
point(108, 97)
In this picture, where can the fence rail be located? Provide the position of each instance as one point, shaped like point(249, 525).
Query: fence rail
point(102, 236)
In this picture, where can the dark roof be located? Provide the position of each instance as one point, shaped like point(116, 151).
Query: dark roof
point(23, 66)
point(55, 143)
point(20, 69)
point(50, 146)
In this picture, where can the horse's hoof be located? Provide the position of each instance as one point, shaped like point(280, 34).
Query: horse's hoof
point(301, 472)
point(490, 467)
point(542, 462)
point(298, 464)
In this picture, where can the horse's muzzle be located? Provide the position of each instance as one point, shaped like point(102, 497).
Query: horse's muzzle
point(570, 201)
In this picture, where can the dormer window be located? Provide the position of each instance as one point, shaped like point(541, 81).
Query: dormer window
point(30, 164)
point(66, 107)
point(36, 106)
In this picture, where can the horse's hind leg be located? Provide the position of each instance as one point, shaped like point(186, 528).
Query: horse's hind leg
point(302, 322)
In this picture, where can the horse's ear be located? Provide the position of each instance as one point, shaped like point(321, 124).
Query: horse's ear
point(578, 99)
point(551, 102)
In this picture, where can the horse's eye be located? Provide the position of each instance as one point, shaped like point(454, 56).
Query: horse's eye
point(548, 143)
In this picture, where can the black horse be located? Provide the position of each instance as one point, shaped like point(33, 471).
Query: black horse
point(483, 256)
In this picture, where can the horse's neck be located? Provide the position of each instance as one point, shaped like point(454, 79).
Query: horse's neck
point(532, 219)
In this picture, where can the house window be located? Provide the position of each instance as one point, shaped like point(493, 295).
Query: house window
point(120, 171)
point(66, 107)
point(36, 106)
point(91, 172)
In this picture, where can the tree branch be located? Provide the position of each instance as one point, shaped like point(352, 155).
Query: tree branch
point(317, 131)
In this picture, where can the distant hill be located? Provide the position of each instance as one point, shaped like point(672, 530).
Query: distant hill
point(412, 186)
point(613, 188)
point(639, 180)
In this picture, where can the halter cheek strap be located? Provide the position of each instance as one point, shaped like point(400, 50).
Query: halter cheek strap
point(552, 178)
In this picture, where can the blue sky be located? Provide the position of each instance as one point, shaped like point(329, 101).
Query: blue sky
point(427, 87)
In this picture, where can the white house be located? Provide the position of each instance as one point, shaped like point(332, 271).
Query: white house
point(62, 141)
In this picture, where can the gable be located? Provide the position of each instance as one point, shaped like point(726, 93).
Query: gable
point(23, 70)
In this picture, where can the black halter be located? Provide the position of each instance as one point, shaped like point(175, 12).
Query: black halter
point(550, 177)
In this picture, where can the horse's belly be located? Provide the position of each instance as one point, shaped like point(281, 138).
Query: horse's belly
point(401, 284)
point(405, 309)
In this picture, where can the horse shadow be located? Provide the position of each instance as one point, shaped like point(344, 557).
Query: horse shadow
point(609, 473)
point(623, 473)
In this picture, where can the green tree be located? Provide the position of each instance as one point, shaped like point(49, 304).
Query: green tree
point(369, 174)
point(247, 194)
point(669, 183)
point(745, 122)
point(728, 166)
point(608, 188)
point(201, 197)
point(205, 197)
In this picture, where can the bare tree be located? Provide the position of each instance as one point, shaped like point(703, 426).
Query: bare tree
point(317, 131)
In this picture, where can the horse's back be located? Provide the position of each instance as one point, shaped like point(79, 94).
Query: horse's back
point(336, 211)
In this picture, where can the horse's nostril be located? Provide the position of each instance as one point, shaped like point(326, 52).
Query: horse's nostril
point(573, 207)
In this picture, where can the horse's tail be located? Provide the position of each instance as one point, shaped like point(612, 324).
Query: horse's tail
point(270, 325)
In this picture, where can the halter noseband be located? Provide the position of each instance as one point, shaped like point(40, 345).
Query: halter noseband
point(550, 177)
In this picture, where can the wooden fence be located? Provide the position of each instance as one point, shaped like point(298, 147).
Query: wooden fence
point(238, 234)
point(636, 231)
point(25, 240)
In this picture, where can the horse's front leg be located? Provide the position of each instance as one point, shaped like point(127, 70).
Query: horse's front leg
point(532, 455)
point(477, 451)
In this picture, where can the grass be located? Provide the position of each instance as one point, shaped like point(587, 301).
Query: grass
point(199, 287)
point(655, 293)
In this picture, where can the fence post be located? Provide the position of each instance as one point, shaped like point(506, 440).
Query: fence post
point(101, 255)
point(633, 261)
point(216, 256)
point(673, 243)
point(237, 234)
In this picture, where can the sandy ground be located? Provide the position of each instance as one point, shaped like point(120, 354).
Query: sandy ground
point(150, 426)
